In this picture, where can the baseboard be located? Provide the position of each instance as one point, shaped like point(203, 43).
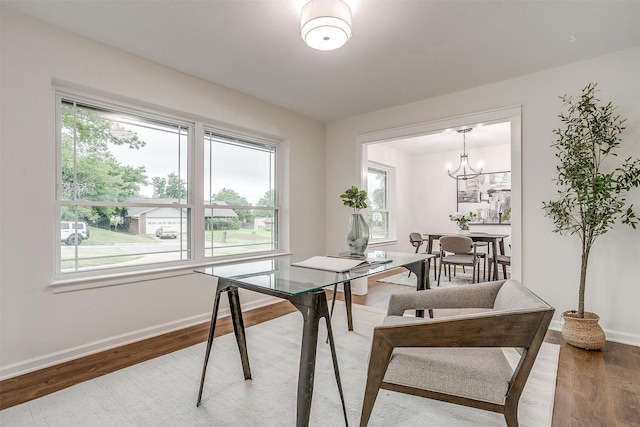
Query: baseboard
point(613, 336)
point(88, 349)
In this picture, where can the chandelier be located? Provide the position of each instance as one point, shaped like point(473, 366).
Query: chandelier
point(464, 161)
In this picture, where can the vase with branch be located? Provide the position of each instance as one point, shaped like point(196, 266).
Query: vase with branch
point(358, 229)
point(592, 187)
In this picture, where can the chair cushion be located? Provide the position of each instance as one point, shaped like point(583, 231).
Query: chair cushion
point(513, 295)
point(459, 259)
point(477, 373)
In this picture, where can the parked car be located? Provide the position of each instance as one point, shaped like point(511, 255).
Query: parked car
point(73, 233)
point(167, 233)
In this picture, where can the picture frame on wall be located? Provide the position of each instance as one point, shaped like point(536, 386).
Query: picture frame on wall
point(488, 196)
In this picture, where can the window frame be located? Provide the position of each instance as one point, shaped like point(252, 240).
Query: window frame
point(195, 125)
point(389, 172)
point(245, 139)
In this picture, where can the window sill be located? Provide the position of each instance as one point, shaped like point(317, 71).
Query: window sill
point(116, 279)
point(385, 242)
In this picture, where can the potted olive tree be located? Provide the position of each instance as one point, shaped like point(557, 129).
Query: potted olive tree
point(591, 193)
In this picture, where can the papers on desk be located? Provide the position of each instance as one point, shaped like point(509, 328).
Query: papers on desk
point(337, 264)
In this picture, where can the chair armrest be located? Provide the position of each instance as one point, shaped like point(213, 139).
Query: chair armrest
point(480, 295)
point(511, 328)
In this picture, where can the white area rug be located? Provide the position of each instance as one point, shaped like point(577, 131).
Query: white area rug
point(404, 279)
point(163, 391)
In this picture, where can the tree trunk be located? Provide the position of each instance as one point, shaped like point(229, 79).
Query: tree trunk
point(583, 278)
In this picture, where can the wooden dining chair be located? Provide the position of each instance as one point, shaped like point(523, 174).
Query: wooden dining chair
point(417, 240)
point(458, 250)
point(503, 260)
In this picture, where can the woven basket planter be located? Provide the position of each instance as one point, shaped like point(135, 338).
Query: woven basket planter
point(582, 333)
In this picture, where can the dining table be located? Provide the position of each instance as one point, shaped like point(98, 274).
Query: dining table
point(495, 241)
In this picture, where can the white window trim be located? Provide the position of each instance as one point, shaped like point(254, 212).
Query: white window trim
point(67, 282)
point(391, 200)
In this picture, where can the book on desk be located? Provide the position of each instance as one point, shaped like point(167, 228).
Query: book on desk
point(339, 264)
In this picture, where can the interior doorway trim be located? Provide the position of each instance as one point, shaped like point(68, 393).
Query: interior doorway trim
point(513, 115)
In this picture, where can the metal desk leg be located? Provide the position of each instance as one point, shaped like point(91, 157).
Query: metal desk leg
point(346, 286)
point(212, 329)
point(313, 307)
point(238, 329)
point(238, 326)
point(333, 299)
point(423, 283)
point(347, 302)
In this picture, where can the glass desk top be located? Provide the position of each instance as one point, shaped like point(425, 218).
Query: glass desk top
point(278, 275)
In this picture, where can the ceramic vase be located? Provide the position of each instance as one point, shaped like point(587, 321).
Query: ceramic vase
point(357, 235)
point(462, 229)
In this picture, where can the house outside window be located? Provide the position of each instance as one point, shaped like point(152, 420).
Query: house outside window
point(129, 193)
point(378, 189)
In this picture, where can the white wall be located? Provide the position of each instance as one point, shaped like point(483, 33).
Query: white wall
point(551, 262)
point(39, 327)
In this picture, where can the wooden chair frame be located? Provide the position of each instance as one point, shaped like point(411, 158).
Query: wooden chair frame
point(523, 329)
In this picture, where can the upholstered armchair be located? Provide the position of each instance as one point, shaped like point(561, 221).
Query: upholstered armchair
point(459, 358)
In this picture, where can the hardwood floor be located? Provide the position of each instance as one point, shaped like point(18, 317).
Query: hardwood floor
point(599, 388)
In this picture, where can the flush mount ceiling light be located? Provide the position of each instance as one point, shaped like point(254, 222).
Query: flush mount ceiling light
point(464, 161)
point(325, 24)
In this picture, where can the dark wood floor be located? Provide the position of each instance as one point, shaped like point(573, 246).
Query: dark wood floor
point(600, 388)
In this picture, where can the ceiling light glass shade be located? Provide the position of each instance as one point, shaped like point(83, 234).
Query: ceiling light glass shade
point(464, 162)
point(325, 24)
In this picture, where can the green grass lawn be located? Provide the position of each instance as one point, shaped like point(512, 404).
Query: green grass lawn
point(69, 263)
point(100, 236)
point(237, 236)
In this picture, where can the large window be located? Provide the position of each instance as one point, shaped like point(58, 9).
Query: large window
point(126, 196)
point(378, 178)
point(241, 215)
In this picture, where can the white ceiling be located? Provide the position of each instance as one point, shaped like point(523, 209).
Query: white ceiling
point(450, 140)
point(401, 51)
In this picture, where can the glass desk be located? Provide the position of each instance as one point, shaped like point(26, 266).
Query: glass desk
point(304, 288)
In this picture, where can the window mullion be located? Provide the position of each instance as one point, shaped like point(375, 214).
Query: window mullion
point(197, 193)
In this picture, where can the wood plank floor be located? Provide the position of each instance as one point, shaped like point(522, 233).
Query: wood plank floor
point(600, 388)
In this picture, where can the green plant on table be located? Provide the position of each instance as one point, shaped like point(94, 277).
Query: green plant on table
point(462, 220)
point(354, 198)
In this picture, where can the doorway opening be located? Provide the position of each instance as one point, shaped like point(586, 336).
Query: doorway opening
point(423, 195)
